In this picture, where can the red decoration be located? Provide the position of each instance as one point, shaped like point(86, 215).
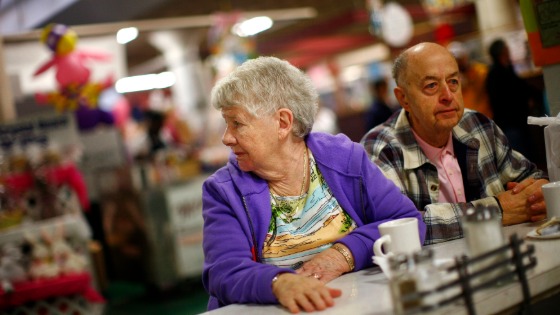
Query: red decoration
point(42, 289)
point(444, 33)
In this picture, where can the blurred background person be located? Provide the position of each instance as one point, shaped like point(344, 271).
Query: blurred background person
point(473, 79)
point(292, 209)
point(510, 98)
point(379, 110)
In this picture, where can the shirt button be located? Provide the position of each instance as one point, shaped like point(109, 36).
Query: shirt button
point(433, 187)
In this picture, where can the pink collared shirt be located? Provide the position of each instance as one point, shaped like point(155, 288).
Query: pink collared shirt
point(451, 187)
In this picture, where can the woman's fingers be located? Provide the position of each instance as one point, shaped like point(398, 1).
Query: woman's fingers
point(298, 292)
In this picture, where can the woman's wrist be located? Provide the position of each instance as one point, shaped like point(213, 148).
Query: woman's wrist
point(276, 277)
point(345, 252)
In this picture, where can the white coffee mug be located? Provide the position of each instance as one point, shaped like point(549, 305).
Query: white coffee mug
point(551, 192)
point(398, 236)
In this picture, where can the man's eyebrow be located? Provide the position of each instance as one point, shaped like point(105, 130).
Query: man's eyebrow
point(454, 74)
point(435, 78)
point(429, 78)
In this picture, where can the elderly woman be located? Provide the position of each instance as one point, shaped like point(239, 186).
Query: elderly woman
point(292, 210)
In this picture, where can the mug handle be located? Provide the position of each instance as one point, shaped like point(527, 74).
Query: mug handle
point(377, 246)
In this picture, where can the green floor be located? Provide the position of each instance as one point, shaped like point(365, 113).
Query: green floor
point(125, 298)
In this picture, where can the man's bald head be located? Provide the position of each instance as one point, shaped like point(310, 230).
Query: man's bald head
point(414, 53)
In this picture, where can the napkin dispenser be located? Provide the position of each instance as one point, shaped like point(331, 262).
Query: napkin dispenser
point(552, 143)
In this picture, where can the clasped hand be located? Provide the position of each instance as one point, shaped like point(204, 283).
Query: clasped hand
point(306, 289)
point(523, 201)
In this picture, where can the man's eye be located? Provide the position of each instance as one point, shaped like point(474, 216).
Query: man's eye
point(454, 84)
point(431, 85)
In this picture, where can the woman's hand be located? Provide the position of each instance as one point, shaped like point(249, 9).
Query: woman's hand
point(297, 292)
point(325, 266)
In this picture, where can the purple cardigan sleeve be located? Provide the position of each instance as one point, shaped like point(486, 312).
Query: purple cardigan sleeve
point(381, 201)
point(227, 244)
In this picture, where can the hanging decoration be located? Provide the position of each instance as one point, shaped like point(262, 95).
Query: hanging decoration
point(440, 13)
point(436, 7)
point(391, 22)
point(75, 92)
point(227, 49)
point(375, 8)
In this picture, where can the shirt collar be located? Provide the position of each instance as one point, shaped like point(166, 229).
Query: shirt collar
point(413, 156)
point(434, 153)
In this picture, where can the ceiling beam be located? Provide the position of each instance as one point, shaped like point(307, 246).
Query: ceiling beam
point(195, 21)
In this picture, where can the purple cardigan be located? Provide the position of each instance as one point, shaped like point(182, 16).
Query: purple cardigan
point(237, 212)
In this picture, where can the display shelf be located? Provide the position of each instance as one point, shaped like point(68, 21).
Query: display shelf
point(34, 290)
point(60, 305)
point(66, 293)
point(73, 224)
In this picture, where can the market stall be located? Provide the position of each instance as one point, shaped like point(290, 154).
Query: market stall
point(45, 261)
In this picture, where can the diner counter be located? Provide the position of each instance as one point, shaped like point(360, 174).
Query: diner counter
point(367, 291)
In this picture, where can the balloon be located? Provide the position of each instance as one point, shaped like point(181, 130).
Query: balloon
point(75, 91)
point(121, 112)
point(59, 38)
point(87, 118)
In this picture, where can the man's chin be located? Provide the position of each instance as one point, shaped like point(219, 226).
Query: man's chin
point(448, 124)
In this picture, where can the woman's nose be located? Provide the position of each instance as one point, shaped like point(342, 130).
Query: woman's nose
point(227, 138)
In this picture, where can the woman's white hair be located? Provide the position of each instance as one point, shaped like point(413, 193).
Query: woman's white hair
point(265, 84)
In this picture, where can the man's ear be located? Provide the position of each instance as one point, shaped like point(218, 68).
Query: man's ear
point(285, 122)
point(400, 95)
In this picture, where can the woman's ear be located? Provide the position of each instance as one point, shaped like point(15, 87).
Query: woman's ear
point(285, 122)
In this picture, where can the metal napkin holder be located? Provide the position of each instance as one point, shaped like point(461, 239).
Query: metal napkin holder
point(517, 262)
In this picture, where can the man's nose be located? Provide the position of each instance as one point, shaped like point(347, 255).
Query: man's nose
point(446, 94)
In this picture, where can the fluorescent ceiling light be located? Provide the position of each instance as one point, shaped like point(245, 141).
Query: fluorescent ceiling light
point(125, 35)
point(145, 82)
point(252, 26)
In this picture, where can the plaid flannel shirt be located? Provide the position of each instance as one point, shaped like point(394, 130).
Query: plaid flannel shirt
point(487, 163)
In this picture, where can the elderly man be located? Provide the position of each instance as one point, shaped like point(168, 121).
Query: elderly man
point(446, 158)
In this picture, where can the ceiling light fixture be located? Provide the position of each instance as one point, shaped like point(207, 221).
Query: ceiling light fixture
point(252, 26)
point(125, 35)
point(145, 82)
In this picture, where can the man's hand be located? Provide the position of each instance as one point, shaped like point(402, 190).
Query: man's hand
point(523, 201)
point(299, 292)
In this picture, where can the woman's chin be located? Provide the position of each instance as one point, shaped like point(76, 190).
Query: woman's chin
point(244, 165)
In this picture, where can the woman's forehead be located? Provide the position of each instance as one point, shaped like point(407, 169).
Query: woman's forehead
point(236, 112)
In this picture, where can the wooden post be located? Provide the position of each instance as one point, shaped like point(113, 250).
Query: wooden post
point(7, 105)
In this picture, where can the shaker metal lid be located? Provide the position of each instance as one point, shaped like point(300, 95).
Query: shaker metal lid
point(482, 213)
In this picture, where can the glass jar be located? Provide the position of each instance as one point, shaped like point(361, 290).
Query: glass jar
point(402, 284)
point(482, 227)
point(427, 276)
